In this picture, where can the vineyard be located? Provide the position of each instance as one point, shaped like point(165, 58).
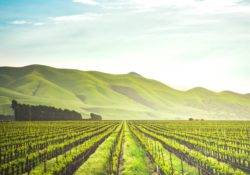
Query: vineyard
point(125, 148)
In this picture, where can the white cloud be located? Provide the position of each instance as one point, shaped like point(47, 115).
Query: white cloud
point(20, 22)
point(38, 24)
point(75, 18)
point(161, 3)
point(88, 2)
point(222, 6)
point(200, 7)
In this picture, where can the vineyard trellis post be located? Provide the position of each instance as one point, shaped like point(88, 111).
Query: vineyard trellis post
point(171, 163)
point(44, 166)
point(182, 168)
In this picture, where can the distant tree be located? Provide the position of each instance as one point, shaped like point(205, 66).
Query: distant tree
point(31, 112)
point(190, 119)
point(14, 104)
point(94, 116)
point(14, 107)
point(6, 117)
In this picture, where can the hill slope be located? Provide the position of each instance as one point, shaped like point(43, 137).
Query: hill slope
point(124, 96)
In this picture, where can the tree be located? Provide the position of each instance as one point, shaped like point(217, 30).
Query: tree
point(94, 116)
point(14, 104)
point(31, 112)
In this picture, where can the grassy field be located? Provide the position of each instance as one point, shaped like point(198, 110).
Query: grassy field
point(129, 96)
point(135, 160)
point(97, 162)
point(125, 147)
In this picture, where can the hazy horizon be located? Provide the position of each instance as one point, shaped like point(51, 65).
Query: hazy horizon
point(182, 44)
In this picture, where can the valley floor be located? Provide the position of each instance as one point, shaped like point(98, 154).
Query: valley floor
point(125, 148)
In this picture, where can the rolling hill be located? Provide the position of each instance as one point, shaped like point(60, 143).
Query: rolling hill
point(123, 96)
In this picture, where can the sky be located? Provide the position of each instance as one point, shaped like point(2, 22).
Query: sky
point(183, 43)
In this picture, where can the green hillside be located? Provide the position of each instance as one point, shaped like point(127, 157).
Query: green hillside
point(124, 96)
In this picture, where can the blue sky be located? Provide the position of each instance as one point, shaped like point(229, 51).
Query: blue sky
point(181, 43)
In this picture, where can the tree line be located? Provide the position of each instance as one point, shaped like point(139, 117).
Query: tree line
point(6, 117)
point(42, 112)
point(94, 116)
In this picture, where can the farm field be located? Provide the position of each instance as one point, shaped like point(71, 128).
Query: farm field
point(125, 147)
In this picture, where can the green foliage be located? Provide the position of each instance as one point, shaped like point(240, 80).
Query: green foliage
point(167, 161)
point(220, 149)
point(31, 143)
point(135, 161)
point(115, 147)
point(97, 163)
point(129, 96)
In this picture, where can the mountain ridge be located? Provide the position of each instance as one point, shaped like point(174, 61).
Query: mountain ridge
point(116, 96)
point(131, 73)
